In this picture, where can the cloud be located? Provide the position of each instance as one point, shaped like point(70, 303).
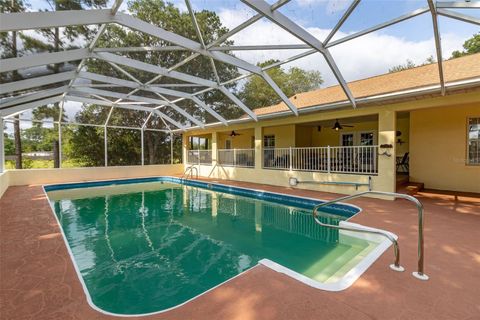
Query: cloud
point(337, 5)
point(366, 56)
point(331, 6)
point(304, 3)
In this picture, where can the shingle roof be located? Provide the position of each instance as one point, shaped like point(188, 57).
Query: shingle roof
point(463, 68)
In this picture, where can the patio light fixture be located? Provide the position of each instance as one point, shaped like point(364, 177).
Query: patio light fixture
point(337, 126)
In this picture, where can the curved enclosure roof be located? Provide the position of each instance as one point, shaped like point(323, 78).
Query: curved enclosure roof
point(141, 86)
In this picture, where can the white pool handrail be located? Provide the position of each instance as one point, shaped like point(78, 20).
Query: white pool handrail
point(419, 274)
point(190, 170)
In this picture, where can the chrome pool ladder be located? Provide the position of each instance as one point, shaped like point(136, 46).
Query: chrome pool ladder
point(419, 274)
point(189, 172)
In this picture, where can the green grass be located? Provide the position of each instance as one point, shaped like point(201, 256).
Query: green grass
point(43, 164)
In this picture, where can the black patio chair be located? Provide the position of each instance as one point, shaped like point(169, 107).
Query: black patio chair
point(403, 163)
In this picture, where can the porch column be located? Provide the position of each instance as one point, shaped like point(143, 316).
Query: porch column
point(214, 148)
point(184, 148)
point(386, 165)
point(258, 146)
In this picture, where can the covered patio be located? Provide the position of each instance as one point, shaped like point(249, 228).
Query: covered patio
point(348, 145)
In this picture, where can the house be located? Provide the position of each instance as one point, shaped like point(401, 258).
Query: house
point(402, 128)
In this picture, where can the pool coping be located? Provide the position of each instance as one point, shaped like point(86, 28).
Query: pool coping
point(252, 192)
point(350, 276)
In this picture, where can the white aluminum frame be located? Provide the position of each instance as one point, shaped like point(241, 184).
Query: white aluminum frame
point(214, 51)
point(438, 45)
point(288, 25)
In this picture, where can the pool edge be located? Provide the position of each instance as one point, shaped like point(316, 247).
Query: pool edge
point(336, 286)
point(205, 184)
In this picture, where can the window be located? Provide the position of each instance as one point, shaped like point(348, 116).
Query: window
point(228, 144)
point(269, 141)
point(358, 138)
point(473, 141)
point(367, 139)
point(198, 143)
point(347, 139)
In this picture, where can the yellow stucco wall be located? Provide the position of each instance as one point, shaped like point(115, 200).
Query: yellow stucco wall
point(284, 135)
point(280, 178)
point(46, 176)
point(438, 144)
point(242, 141)
point(303, 136)
point(4, 182)
point(329, 137)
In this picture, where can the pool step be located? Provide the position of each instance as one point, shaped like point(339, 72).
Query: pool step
point(333, 265)
point(324, 268)
point(342, 264)
point(413, 188)
point(402, 179)
point(356, 255)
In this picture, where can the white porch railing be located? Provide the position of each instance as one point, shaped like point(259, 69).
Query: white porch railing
point(276, 158)
point(236, 157)
point(354, 159)
point(199, 157)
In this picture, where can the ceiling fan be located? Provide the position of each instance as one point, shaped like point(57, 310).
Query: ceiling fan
point(337, 126)
point(234, 134)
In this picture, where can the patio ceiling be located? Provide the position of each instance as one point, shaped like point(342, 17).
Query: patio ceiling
point(136, 99)
point(349, 120)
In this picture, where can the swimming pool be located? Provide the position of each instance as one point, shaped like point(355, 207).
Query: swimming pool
point(143, 246)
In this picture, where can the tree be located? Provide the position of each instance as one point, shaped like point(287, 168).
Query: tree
point(39, 138)
point(168, 17)
point(85, 144)
point(470, 46)
point(410, 65)
point(256, 93)
point(429, 60)
point(45, 136)
point(51, 40)
point(9, 47)
point(401, 67)
point(9, 145)
point(54, 40)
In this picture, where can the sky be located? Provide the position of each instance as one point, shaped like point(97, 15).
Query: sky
point(366, 56)
point(363, 57)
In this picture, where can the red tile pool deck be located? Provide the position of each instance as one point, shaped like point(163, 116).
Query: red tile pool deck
point(38, 281)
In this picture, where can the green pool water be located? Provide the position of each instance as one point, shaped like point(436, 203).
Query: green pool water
point(147, 247)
